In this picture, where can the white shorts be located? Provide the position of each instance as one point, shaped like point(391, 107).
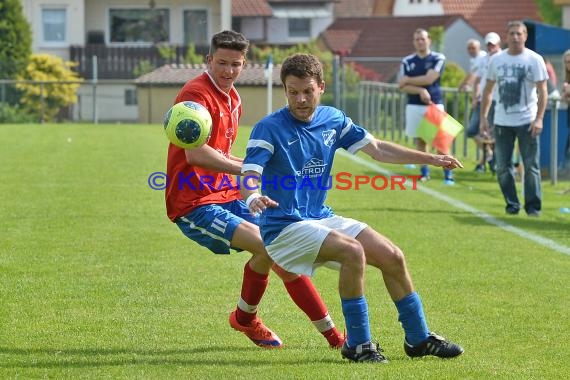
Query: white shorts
point(414, 114)
point(296, 248)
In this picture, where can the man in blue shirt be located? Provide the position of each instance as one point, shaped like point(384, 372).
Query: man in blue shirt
point(289, 157)
point(420, 74)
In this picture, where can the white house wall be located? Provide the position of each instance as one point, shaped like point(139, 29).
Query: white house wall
point(110, 103)
point(252, 28)
point(455, 43)
point(74, 26)
point(417, 8)
point(278, 30)
point(97, 14)
point(566, 16)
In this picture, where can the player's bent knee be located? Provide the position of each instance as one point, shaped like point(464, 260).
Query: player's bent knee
point(386, 259)
point(395, 264)
point(355, 259)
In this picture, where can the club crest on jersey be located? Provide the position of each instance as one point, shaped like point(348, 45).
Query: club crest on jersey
point(329, 137)
point(312, 168)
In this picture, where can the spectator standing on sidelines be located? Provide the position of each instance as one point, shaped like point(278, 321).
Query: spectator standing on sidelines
point(297, 144)
point(215, 216)
point(520, 75)
point(484, 142)
point(476, 54)
point(420, 75)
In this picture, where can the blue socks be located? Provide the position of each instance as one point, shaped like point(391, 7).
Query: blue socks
point(412, 318)
point(424, 171)
point(355, 311)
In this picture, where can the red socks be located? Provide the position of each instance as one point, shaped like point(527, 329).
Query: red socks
point(252, 288)
point(303, 293)
point(308, 299)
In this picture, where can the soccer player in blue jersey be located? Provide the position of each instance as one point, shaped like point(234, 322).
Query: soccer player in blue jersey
point(289, 158)
point(420, 74)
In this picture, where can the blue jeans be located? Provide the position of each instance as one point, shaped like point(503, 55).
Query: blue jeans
point(529, 148)
point(475, 118)
point(473, 127)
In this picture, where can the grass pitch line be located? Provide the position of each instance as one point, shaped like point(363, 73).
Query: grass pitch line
point(540, 240)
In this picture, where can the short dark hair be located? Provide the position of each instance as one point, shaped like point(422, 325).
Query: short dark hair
point(302, 66)
point(518, 24)
point(421, 30)
point(228, 39)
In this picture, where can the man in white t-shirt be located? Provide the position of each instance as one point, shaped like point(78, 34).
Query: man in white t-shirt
point(493, 44)
point(476, 55)
point(521, 77)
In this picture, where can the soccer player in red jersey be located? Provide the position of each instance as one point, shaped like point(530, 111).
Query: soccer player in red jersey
point(203, 198)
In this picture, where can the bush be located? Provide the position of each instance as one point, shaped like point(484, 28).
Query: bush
point(46, 101)
point(452, 77)
point(14, 114)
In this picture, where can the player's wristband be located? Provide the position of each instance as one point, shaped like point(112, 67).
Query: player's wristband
point(251, 198)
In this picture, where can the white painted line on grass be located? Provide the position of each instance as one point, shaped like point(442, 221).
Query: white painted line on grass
point(540, 240)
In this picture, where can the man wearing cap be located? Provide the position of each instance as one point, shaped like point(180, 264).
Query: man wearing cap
point(520, 75)
point(493, 44)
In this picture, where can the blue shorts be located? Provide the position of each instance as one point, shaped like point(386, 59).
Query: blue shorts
point(213, 225)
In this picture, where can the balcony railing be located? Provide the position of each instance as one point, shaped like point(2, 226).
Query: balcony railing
point(119, 62)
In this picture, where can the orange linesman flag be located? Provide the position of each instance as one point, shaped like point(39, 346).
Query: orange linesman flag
point(438, 129)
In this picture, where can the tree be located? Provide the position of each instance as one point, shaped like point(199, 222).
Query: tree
point(326, 57)
point(46, 99)
point(16, 37)
point(550, 13)
point(436, 34)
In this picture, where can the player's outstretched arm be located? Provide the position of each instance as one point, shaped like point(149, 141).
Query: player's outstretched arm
point(385, 151)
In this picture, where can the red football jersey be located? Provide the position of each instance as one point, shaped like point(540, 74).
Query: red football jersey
point(191, 186)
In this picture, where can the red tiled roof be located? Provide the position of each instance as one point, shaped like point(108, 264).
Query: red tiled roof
point(341, 41)
point(252, 75)
point(386, 37)
point(251, 8)
point(492, 15)
point(353, 8)
point(382, 36)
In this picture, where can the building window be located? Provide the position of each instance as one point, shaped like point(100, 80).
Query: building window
point(236, 24)
point(53, 21)
point(196, 27)
point(299, 27)
point(131, 97)
point(139, 25)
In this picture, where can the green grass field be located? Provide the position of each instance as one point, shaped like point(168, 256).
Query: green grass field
point(95, 282)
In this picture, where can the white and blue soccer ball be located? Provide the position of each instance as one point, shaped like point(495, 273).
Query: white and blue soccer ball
point(188, 125)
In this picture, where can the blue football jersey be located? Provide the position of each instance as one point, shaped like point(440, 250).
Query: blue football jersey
point(414, 66)
point(294, 159)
